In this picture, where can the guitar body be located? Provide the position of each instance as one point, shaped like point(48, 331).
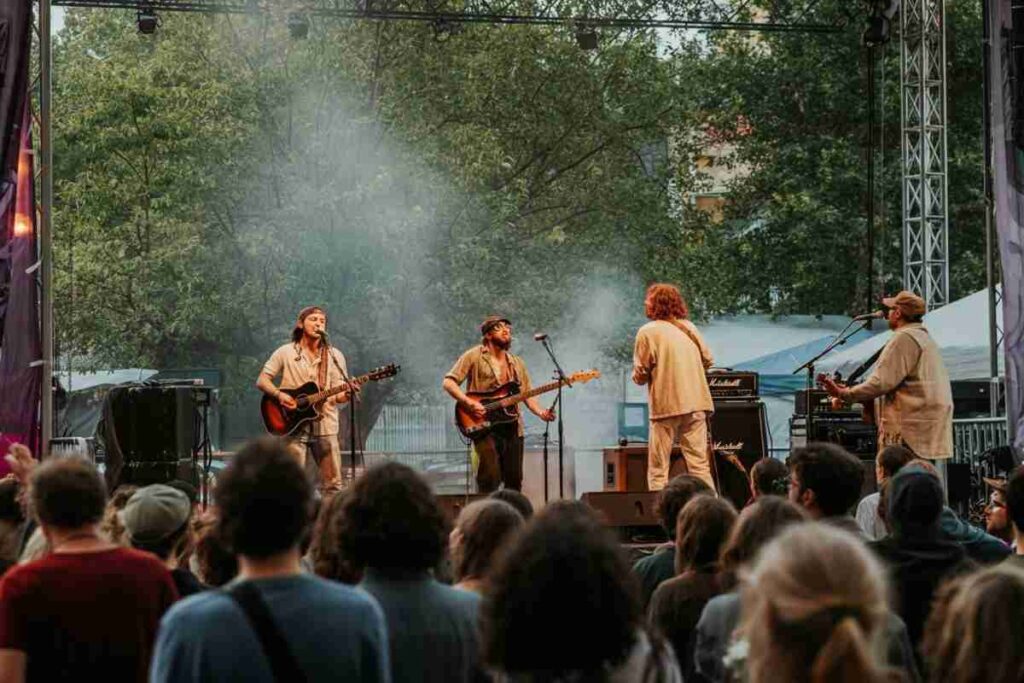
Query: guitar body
point(476, 428)
point(310, 400)
point(867, 410)
point(282, 422)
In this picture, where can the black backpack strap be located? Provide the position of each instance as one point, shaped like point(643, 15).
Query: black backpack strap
point(283, 664)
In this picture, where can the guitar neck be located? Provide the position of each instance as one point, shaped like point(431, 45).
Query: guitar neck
point(327, 393)
point(510, 401)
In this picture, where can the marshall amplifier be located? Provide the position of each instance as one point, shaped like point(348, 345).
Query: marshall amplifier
point(739, 438)
point(733, 385)
point(740, 429)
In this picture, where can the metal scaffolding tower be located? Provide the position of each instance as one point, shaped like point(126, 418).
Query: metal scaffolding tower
point(923, 124)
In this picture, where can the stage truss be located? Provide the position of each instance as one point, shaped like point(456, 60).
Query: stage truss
point(924, 154)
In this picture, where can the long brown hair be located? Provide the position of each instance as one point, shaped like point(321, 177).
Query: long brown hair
point(974, 633)
point(814, 609)
point(666, 303)
point(485, 528)
point(704, 524)
point(757, 524)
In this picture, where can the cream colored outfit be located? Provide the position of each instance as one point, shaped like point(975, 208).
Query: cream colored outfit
point(913, 399)
point(296, 367)
point(672, 365)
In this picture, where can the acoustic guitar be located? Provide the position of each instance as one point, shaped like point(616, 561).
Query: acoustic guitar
point(280, 421)
point(501, 404)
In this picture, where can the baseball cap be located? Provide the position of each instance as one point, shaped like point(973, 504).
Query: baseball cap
point(492, 321)
point(155, 512)
point(908, 303)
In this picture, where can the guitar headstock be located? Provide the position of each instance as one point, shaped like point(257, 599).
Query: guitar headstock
point(383, 372)
point(584, 376)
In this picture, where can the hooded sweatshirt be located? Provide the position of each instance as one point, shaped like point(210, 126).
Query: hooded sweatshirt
point(918, 555)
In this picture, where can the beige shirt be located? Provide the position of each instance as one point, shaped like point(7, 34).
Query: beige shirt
point(914, 400)
point(673, 365)
point(296, 367)
point(479, 367)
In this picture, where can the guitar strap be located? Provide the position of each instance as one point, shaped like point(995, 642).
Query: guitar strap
point(321, 372)
point(710, 445)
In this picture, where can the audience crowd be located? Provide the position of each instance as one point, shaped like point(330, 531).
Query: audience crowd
point(810, 581)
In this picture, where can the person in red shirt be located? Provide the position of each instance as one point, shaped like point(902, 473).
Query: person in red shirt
point(89, 609)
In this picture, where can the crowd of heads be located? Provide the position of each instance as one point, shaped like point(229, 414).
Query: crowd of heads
point(783, 589)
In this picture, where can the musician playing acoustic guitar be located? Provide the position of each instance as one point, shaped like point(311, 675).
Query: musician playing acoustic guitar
point(304, 359)
point(487, 367)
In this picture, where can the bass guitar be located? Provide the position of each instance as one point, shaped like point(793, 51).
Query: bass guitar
point(501, 404)
point(309, 400)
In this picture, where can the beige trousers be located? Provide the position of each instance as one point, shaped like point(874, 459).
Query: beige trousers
point(326, 453)
point(692, 432)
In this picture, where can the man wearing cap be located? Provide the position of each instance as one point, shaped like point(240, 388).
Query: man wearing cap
point(487, 367)
point(910, 386)
point(308, 358)
point(156, 519)
point(997, 519)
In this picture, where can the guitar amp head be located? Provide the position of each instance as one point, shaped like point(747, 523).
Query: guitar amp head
point(733, 385)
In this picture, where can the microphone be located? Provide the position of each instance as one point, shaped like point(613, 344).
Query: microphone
point(322, 334)
point(869, 316)
point(540, 336)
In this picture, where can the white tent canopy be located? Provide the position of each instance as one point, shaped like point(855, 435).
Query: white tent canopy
point(960, 329)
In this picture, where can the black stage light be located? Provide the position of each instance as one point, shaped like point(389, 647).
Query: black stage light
point(586, 38)
point(298, 25)
point(147, 20)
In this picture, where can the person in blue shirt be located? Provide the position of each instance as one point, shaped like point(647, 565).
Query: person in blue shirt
point(330, 631)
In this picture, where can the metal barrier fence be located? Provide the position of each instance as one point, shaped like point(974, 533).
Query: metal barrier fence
point(973, 437)
point(415, 429)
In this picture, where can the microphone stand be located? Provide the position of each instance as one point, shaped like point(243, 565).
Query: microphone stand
point(352, 396)
point(840, 339)
point(562, 380)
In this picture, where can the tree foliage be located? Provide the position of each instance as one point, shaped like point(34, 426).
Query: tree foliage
point(216, 176)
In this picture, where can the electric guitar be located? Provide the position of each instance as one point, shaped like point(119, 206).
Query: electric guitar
point(867, 410)
point(501, 404)
point(280, 421)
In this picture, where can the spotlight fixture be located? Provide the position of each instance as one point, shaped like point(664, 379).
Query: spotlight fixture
point(298, 25)
point(147, 20)
point(586, 38)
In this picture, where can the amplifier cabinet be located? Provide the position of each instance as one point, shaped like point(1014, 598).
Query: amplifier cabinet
point(625, 467)
point(739, 435)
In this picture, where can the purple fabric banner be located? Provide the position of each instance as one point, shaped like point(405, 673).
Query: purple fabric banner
point(20, 374)
point(1006, 76)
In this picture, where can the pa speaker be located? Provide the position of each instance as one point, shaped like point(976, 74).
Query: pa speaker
point(631, 514)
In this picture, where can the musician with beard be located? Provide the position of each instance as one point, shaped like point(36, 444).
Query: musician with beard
point(487, 367)
point(308, 358)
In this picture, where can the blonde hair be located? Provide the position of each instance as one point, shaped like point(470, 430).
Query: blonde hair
point(974, 633)
point(813, 609)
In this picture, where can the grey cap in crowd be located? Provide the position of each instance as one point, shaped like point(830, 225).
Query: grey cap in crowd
point(155, 512)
